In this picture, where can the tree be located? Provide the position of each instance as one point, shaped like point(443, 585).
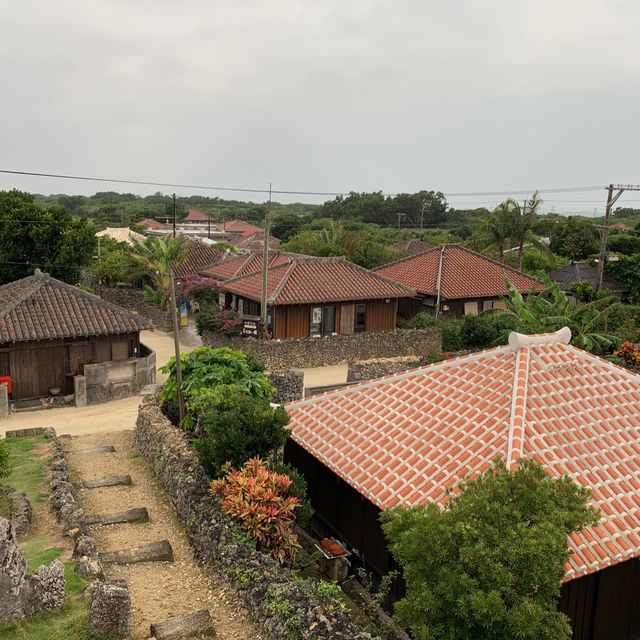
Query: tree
point(495, 230)
point(46, 238)
point(157, 256)
point(626, 269)
point(574, 238)
point(524, 224)
point(489, 565)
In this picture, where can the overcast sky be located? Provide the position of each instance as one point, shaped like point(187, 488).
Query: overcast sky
point(323, 95)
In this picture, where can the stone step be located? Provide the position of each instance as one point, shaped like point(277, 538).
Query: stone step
point(132, 515)
point(190, 625)
point(107, 449)
point(154, 552)
point(107, 481)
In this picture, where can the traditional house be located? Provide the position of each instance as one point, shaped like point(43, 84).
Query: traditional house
point(583, 272)
point(51, 332)
point(254, 242)
point(240, 228)
point(404, 439)
point(310, 296)
point(411, 246)
point(453, 281)
point(200, 255)
point(121, 234)
point(155, 227)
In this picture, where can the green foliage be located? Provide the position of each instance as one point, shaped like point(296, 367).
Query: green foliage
point(236, 427)
point(116, 264)
point(624, 243)
point(204, 369)
point(297, 489)
point(257, 497)
point(627, 271)
point(490, 563)
point(575, 238)
point(5, 459)
point(484, 330)
point(224, 321)
point(583, 291)
point(46, 238)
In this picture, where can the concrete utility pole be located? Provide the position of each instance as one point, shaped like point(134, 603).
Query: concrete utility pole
point(174, 215)
point(176, 343)
point(611, 200)
point(265, 263)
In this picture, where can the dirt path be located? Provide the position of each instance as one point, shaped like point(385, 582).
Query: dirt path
point(158, 589)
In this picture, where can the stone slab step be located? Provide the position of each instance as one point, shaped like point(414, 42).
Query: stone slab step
point(198, 624)
point(107, 481)
point(154, 552)
point(107, 449)
point(131, 515)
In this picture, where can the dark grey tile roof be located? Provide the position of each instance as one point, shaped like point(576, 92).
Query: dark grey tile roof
point(40, 307)
point(583, 272)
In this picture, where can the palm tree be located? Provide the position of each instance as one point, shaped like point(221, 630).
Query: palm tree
point(157, 256)
point(495, 230)
point(523, 225)
point(551, 310)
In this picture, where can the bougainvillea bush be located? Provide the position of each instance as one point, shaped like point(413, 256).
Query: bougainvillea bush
point(257, 497)
point(224, 321)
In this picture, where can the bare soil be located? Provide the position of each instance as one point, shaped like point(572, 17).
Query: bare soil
point(158, 590)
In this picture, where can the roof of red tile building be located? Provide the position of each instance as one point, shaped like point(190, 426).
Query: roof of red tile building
point(200, 255)
point(463, 274)
point(40, 307)
point(404, 439)
point(236, 265)
point(254, 242)
point(241, 227)
point(309, 280)
point(150, 223)
point(194, 215)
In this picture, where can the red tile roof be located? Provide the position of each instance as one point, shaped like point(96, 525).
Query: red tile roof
point(254, 242)
point(236, 265)
point(200, 255)
point(241, 227)
point(196, 216)
point(150, 223)
point(465, 274)
point(309, 280)
point(41, 308)
point(405, 438)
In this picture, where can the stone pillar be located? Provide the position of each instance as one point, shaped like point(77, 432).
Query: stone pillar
point(4, 401)
point(80, 390)
point(14, 587)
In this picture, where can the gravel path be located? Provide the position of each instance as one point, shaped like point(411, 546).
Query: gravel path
point(158, 589)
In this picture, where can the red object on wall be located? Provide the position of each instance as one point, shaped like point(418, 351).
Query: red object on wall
point(7, 380)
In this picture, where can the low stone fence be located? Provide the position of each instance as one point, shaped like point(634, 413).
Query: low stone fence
point(289, 385)
point(260, 581)
point(377, 368)
point(115, 379)
point(330, 350)
point(134, 300)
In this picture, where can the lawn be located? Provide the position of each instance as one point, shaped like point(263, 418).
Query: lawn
point(68, 622)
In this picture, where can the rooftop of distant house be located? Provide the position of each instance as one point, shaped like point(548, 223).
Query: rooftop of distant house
point(584, 272)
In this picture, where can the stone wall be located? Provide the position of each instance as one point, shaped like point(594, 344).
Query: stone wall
point(116, 379)
point(330, 350)
point(259, 580)
point(289, 385)
point(134, 300)
point(377, 368)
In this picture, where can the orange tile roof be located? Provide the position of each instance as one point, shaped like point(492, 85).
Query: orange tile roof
point(193, 215)
point(405, 438)
point(150, 223)
point(465, 274)
point(241, 227)
point(236, 265)
point(310, 280)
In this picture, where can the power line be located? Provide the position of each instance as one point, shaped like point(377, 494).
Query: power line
point(284, 191)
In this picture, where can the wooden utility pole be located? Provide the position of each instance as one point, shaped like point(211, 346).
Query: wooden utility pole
point(176, 343)
point(265, 263)
point(174, 215)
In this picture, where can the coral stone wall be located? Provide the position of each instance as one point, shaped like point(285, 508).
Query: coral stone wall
point(134, 300)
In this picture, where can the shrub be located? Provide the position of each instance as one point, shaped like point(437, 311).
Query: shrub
point(237, 427)
point(452, 339)
point(298, 489)
point(484, 330)
point(256, 496)
point(224, 321)
point(5, 459)
point(630, 354)
point(491, 562)
point(424, 320)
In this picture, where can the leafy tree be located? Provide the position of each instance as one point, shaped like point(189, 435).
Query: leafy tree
point(46, 238)
point(489, 564)
point(156, 256)
point(287, 224)
point(624, 243)
point(495, 230)
point(524, 224)
point(237, 426)
point(627, 271)
point(116, 264)
point(574, 238)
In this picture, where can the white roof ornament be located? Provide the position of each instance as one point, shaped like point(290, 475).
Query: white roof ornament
point(517, 340)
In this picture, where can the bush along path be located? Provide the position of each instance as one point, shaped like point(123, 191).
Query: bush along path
point(139, 540)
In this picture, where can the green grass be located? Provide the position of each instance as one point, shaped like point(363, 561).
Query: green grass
point(68, 622)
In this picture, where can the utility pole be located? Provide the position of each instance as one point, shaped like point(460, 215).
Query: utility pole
point(265, 262)
point(400, 216)
point(176, 343)
point(174, 215)
point(209, 226)
point(422, 210)
point(611, 200)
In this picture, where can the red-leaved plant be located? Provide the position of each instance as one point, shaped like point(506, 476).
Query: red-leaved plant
point(630, 354)
point(256, 496)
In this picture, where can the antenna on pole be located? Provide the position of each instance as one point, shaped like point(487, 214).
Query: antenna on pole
point(265, 262)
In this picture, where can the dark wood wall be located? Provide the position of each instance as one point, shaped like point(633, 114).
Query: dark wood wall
point(602, 606)
point(38, 365)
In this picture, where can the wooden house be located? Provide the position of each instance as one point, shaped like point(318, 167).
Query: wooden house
point(583, 272)
point(452, 281)
point(310, 296)
point(50, 330)
point(404, 439)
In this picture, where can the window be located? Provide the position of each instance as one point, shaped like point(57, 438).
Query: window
point(471, 308)
point(487, 304)
point(323, 321)
point(361, 317)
